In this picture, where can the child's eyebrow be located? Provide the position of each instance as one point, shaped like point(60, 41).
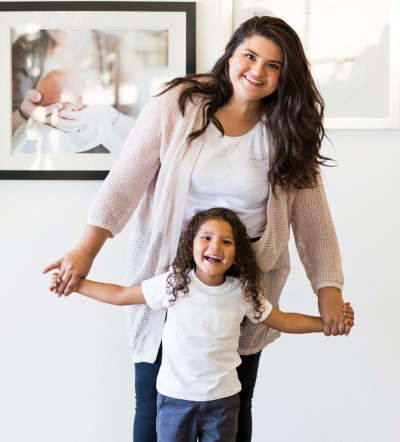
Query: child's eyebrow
point(211, 233)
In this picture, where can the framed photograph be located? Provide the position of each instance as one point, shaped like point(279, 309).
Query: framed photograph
point(354, 52)
point(75, 75)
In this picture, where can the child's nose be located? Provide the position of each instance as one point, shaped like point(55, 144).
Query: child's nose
point(216, 245)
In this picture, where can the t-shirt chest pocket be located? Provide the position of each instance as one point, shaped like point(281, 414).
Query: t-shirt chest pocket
point(224, 322)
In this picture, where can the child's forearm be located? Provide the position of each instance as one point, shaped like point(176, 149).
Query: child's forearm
point(293, 322)
point(111, 293)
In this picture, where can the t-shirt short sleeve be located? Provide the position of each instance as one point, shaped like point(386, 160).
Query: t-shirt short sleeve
point(155, 292)
point(266, 306)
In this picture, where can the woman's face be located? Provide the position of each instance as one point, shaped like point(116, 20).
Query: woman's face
point(255, 68)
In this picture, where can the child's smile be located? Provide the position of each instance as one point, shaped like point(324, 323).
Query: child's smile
point(213, 251)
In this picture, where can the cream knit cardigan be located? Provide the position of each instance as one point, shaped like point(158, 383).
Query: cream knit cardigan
point(151, 180)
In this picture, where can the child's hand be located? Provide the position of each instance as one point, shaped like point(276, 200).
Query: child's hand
point(55, 284)
point(348, 313)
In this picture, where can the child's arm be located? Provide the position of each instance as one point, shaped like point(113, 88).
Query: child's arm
point(297, 323)
point(108, 293)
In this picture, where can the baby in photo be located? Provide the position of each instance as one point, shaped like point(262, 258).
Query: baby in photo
point(66, 87)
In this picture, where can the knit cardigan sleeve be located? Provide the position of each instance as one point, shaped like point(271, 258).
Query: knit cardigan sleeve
point(137, 165)
point(315, 238)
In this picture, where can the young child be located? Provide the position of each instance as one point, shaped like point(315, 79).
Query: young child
point(211, 288)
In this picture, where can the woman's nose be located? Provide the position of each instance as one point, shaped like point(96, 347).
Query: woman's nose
point(257, 70)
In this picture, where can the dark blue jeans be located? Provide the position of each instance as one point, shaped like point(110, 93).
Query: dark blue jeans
point(144, 429)
point(179, 420)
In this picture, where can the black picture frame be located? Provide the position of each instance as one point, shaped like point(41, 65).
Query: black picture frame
point(189, 8)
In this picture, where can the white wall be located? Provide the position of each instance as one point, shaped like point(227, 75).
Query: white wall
point(66, 373)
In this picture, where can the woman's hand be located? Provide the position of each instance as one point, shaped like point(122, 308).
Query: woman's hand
point(77, 263)
point(72, 267)
point(30, 107)
point(70, 120)
point(330, 305)
point(56, 281)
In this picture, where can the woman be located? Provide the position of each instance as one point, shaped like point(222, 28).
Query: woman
point(260, 95)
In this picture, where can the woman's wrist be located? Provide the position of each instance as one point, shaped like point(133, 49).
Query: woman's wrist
point(22, 114)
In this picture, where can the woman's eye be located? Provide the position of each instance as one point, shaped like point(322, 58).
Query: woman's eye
point(250, 56)
point(274, 66)
point(227, 242)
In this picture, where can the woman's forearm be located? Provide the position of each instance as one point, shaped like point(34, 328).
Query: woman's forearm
point(17, 121)
point(92, 240)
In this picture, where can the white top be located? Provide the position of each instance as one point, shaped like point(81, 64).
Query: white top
point(200, 337)
point(232, 172)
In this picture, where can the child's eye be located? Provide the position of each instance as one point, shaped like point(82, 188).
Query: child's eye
point(227, 242)
point(205, 238)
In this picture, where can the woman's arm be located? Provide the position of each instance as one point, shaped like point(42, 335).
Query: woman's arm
point(77, 263)
point(107, 293)
point(298, 323)
point(122, 190)
point(29, 108)
point(318, 249)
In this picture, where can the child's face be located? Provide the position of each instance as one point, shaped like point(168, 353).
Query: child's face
point(213, 251)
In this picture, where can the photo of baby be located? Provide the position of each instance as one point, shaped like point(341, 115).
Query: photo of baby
point(66, 87)
point(80, 90)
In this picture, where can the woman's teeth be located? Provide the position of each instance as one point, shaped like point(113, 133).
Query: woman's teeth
point(253, 80)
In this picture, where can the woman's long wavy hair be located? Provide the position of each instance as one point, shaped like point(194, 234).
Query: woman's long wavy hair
point(245, 267)
point(293, 113)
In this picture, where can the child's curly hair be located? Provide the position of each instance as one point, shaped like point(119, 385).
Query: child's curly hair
point(245, 267)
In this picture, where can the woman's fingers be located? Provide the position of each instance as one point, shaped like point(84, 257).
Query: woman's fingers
point(33, 95)
point(55, 266)
point(63, 283)
point(341, 327)
point(52, 108)
point(68, 283)
point(65, 125)
point(44, 114)
point(73, 282)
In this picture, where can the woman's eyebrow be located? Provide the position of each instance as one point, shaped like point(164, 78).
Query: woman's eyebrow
point(255, 53)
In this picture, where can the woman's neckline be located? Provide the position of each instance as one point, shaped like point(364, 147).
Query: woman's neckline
point(214, 128)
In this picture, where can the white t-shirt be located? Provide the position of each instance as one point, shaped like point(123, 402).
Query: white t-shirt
point(232, 172)
point(200, 337)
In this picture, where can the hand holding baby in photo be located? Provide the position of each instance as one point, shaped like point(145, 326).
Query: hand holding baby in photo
point(61, 123)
